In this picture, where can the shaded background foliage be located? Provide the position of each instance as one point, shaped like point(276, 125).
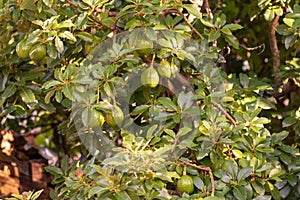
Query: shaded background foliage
point(249, 141)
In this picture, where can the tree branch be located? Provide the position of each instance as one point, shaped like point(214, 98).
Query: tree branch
point(221, 109)
point(207, 7)
point(205, 168)
point(193, 28)
point(274, 49)
point(186, 83)
point(262, 47)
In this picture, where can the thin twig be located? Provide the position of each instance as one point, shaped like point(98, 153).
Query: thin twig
point(207, 7)
point(193, 28)
point(91, 16)
point(177, 12)
point(262, 46)
point(99, 22)
point(167, 11)
point(220, 108)
point(205, 168)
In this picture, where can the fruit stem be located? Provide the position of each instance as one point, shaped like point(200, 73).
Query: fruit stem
point(184, 170)
point(152, 61)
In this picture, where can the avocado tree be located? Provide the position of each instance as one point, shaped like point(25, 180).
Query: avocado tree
point(162, 99)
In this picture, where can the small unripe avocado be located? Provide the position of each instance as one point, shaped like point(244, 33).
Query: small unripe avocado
point(185, 184)
point(23, 49)
point(150, 77)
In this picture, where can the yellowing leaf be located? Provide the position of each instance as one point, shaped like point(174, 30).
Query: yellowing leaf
point(237, 153)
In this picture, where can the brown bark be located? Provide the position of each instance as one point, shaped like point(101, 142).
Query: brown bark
point(20, 172)
point(274, 50)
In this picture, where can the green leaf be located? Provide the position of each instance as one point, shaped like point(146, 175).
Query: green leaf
point(139, 109)
point(163, 176)
point(114, 161)
point(289, 121)
point(289, 41)
point(167, 103)
point(68, 35)
point(292, 179)
point(88, 2)
point(49, 95)
point(198, 183)
point(27, 95)
point(213, 35)
point(163, 116)
point(54, 170)
point(109, 89)
point(165, 43)
point(58, 96)
point(275, 173)
point(233, 27)
point(283, 30)
point(240, 193)
point(258, 187)
point(244, 79)
point(38, 22)
point(285, 158)
point(213, 198)
point(51, 51)
point(59, 44)
point(278, 10)
point(183, 131)
point(265, 103)
point(206, 23)
point(87, 37)
point(122, 195)
point(287, 148)
point(36, 194)
point(48, 3)
point(226, 31)
point(275, 194)
point(65, 24)
point(185, 100)
point(86, 117)
point(296, 24)
point(170, 132)
point(232, 168)
point(51, 83)
point(27, 5)
point(244, 173)
point(96, 190)
point(264, 148)
point(278, 138)
point(232, 41)
point(33, 37)
point(9, 91)
point(81, 20)
point(67, 91)
point(192, 10)
point(151, 131)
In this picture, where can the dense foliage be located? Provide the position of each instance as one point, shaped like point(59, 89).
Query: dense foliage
point(149, 93)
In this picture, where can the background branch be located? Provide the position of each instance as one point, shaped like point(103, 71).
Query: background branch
point(274, 49)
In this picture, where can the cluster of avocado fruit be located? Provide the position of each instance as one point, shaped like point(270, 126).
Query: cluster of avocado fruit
point(35, 52)
point(113, 118)
point(149, 77)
